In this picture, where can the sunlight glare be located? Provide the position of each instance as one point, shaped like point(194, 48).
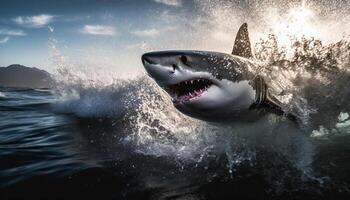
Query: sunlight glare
point(298, 22)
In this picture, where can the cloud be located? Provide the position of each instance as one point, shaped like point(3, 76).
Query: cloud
point(146, 33)
point(36, 21)
point(99, 30)
point(12, 32)
point(176, 3)
point(4, 40)
point(7, 33)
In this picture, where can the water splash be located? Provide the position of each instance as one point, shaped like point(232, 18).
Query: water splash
point(308, 75)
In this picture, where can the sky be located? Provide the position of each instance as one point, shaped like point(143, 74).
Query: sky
point(29, 29)
point(115, 33)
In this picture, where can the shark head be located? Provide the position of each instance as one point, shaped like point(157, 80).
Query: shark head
point(204, 85)
point(211, 86)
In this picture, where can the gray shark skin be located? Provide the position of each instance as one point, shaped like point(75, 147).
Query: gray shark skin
point(213, 86)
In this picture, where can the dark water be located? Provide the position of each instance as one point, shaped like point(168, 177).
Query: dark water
point(45, 153)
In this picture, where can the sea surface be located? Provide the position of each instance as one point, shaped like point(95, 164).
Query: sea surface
point(62, 149)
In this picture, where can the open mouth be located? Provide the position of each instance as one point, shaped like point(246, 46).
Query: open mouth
point(188, 90)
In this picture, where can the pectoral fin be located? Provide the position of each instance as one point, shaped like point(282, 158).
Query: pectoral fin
point(265, 100)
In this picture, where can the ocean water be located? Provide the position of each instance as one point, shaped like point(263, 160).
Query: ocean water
point(126, 141)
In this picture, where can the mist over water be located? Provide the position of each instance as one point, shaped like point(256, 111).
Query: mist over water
point(301, 48)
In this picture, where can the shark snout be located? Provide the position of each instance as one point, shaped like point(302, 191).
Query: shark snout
point(160, 72)
point(156, 58)
point(146, 58)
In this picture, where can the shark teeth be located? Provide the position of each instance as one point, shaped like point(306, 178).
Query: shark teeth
point(188, 90)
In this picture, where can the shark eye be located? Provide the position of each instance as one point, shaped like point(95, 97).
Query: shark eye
point(183, 59)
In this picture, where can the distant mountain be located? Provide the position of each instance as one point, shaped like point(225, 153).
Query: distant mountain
point(22, 76)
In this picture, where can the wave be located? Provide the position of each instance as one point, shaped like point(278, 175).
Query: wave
point(2, 95)
point(107, 102)
point(26, 106)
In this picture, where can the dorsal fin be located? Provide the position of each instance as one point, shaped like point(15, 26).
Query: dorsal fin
point(242, 43)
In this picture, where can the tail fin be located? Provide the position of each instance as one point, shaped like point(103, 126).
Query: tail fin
point(242, 43)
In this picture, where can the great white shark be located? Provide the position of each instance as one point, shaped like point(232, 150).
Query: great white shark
point(214, 86)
